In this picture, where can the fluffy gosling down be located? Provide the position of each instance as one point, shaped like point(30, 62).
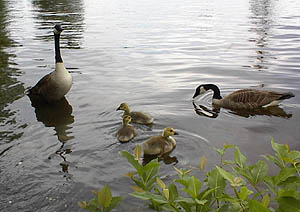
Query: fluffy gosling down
point(127, 131)
point(137, 117)
point(55, 85)
point(161, 144)
point(243, 99)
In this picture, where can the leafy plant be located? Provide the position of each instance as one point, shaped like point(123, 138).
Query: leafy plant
point(103, 202)
point(232, 186)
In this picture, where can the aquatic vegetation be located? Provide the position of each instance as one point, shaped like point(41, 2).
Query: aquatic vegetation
point(230, 186)
point(103, 202)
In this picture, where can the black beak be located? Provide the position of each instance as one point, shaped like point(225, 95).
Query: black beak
point(118, 108)
point(176, 133)
point(195, 95)
point(197, 92)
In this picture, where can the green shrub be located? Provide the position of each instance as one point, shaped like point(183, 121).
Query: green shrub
point(103, 202)
point(231, 186)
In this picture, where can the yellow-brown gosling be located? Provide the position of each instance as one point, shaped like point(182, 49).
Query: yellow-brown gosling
point(243, 99)
point(55, 85)
point(161, 144)
point(127, 131)
point(137, 117)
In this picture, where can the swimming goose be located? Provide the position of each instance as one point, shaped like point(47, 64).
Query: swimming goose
point(137, 117)
point(127, 131)
point(161, 144)
point(53, 86)
point(243, 99)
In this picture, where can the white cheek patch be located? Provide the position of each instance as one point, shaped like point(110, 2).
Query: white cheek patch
point(55, 31)
point(202, 90)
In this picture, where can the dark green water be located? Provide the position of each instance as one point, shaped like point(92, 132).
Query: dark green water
point(151, 54)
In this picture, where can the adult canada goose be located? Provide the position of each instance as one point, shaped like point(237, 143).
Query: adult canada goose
point(243, 99)
point(137, 117)
point(55, 85)
point(127, 131)
point(161, 144)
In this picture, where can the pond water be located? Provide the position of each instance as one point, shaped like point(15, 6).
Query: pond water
point(151, 54)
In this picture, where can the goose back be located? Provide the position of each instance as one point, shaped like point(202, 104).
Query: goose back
point(250, 99)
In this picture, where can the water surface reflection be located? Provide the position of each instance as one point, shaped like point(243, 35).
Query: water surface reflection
point(58, 115)
point(10, 88)
point(276, 111)
point(69, 13)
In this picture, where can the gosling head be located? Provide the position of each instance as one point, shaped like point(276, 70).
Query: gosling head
point(57, 29)
point(201, 89)
point(123, 106)
point(126, 120)
point(169, 131)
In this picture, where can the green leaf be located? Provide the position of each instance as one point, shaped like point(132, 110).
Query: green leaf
point(137, 152)
point(255, 206)
point(166, 193)
point(216, 182)
point(160, 183)
point(183, 182)
point(149, 196)
point(286, 193)
point(244, 192)
point(294, 155)
point(284, 174)
point(114, 203)
point(194, 186)
point(289, 204)
point(173, 191)
point(200, 202)
point(104, 197)
point(258, 171)
point(266, 200)
point(281, 151)
point(239, 158)
point(273, 159)
point(202, 163)
point(82, 204)
point(228, 176)
point(132, 161)
point(186, 200)
point(290, 183)
point(186, 206)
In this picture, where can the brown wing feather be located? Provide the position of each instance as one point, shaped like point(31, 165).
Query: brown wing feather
point(256, 98)
point(45, 88)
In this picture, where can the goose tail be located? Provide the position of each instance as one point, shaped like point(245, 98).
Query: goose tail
point(286, 96)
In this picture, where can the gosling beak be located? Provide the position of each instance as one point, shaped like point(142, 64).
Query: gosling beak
point(176, 133)
point(118, 108)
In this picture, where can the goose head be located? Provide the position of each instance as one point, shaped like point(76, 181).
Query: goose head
point(201, 89)
point(126, 120)
point(123, 106)
point(169, 131)
point(57, 29)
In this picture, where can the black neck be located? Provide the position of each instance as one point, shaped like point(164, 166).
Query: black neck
point(216, 90)
point(58, 58)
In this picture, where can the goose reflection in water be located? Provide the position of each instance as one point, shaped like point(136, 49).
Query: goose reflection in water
point(276, 111)
point(166, 158)
point(58, 115)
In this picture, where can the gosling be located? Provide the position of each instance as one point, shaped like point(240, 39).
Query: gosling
point(160, 145)
point(137, 117)
point(127, 131)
